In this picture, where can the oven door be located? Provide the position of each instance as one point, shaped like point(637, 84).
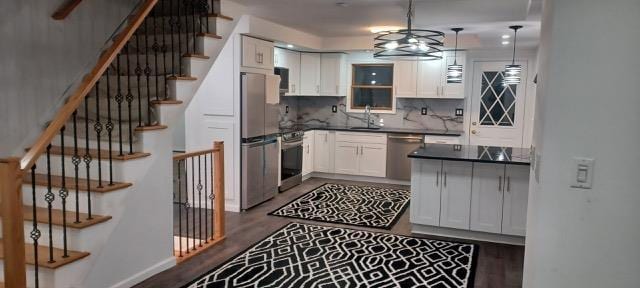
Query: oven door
point(291, 164)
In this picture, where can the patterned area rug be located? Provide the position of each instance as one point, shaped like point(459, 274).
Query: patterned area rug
point(302, 255)
point(368, 206)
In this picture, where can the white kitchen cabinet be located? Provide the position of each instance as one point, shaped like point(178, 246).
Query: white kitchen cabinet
point(279, 59)
point(429, 79)
point(373, 160)
point(257, 53)
point(433, 139)
point(456, 194)
point(291, 60)
point(346, 158)
point(516, 194)
point(307, 152)
point(333, 74)
point(310, 74)
point(425, 192)
point(405, 76)
point(486, 197)
point(324, 149)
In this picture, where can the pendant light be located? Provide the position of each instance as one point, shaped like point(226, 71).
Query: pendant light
point(512, 71)
point(454, 71)
point(409, 44)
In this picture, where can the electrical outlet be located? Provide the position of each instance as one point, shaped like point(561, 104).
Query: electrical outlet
point(459, 112)
point(423, 111)
point(334, 109)
point(286, 109)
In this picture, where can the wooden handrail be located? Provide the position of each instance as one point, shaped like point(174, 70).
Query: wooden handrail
point(15, 269)
point(65, 9)
point(182, 156)
point(85, 87)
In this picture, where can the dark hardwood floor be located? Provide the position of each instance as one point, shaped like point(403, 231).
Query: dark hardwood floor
point(499, 265)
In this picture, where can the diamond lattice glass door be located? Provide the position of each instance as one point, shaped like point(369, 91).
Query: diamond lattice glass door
point(498, 101)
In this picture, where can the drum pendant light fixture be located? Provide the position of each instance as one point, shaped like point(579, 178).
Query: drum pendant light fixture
point(409, 44)
point(512, 71)
point(454, 71)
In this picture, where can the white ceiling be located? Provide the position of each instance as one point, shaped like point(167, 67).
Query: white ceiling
point(487, 19)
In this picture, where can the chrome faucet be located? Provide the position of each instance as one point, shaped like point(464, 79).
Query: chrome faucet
point(367, 111)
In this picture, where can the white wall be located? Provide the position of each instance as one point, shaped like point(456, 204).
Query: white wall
point(41, 58)
point(588, 101)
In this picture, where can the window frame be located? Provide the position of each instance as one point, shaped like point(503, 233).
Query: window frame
point(353, 108)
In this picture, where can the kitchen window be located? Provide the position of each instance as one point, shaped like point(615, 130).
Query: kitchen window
point(372, 84)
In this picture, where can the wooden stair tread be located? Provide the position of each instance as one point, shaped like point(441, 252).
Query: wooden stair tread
point(56, 181)
point(211, 35)
point(56, 217)
point(189, 78)
point(43, 256)
point(192, 55)
point(166, 102)
point(218, 15)
point(151, 128)
point(68, 151)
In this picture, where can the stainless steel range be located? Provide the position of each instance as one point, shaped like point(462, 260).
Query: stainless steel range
point(291, 159)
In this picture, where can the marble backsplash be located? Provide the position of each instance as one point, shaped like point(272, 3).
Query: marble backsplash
point(317, 111)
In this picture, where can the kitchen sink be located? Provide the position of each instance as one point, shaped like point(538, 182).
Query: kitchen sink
point(364, 128)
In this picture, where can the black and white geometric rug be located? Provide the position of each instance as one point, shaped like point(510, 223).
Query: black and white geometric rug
point(302, 255)
point(368, 206)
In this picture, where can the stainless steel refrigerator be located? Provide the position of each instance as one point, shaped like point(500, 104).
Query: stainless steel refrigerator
point(259, 146)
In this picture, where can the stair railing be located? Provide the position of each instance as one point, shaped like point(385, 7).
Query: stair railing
point(142, 43)
point(198, 200)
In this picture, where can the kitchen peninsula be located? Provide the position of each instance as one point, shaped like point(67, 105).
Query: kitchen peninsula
point(474, 192)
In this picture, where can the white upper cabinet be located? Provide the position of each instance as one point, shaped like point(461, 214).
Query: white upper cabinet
point(291, 60)
point(310, 74)
point(333, 74)
point(432, 78)
point(405, 76)
point(257, 53)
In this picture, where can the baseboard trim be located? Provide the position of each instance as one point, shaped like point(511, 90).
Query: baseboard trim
point(144, 274)
point(355, 178)
point(465, 234)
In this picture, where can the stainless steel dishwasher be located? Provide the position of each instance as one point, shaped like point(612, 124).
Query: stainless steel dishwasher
point(399, 146)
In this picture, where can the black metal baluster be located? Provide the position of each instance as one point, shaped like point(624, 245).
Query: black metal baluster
point(211, 195)
point(35, 232)
point(179, 42)
point(193, 22)
point(172, 23)
point(164, 52)
point(193, 200)
point(156, 48)
point(200, 200)
point(138, 72)
point(147, 70)
point(129, 98)
point(119, 99)
point(49, 197)
point(180, 206)
point(76, 162)
point(204, 14)
point(98, 128)
point(206, 202)
point(186, 25)
point(87, 157)
point(63, 195)
point(109, 127)
point(186, 201)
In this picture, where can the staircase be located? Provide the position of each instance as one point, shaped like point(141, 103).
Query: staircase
point(109, 146)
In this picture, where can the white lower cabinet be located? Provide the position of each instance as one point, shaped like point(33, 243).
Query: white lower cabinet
point(324, 149)
point(346, 158)
point(307, 152)
point(456, 194)
point(373, 160)
point(362, 154)
point(482, 197)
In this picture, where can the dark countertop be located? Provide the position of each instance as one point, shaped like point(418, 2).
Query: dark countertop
point(471, 153)
point(381, 130)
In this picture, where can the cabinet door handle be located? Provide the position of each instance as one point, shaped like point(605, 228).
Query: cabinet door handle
point(445, 179)
point(293, 87)
point(325, 136)
point(317, 88)
point(437, 178)
point(508, 183)
point(361, 150)
point(337, 89)
point(499, 183)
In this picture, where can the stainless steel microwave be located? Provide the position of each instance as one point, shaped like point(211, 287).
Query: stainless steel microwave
point(284, 78)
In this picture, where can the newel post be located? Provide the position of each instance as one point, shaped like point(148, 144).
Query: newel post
point(218, 178)
point(15, 269)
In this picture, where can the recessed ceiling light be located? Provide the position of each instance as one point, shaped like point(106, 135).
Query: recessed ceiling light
point(380, 29)
point(289, 46)
point(505, 36)
point(505, 42)
point(342, 4)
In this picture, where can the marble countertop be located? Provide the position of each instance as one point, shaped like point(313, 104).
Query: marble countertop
point(381, 130)
point(472, 153)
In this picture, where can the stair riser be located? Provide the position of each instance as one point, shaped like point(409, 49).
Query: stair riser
point(119, 168)
point(74, 236)
point(136, 55)
point(137, 45)
point(165, 22)
point(46, 276)
point(101, 203)
point(103, 144)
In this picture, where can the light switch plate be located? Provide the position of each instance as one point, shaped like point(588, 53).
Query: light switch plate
point(582, 173)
